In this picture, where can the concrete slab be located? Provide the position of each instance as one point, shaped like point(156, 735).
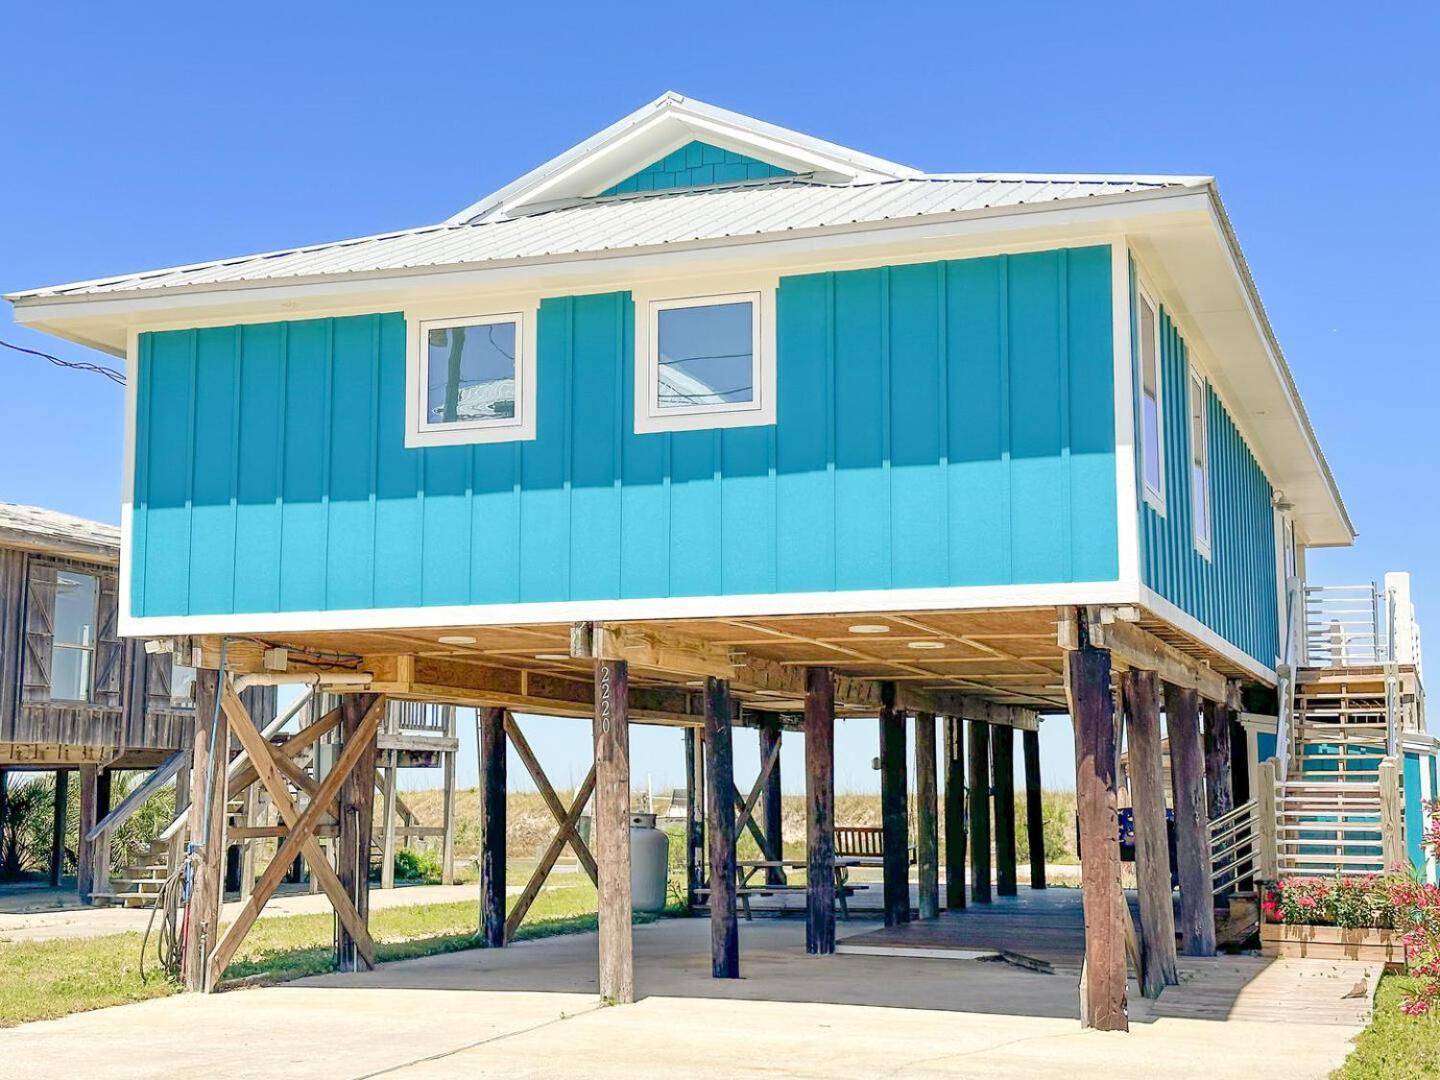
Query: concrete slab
point(71, 919)
point(530, 1010)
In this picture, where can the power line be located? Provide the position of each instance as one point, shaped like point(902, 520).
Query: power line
point(117, 377)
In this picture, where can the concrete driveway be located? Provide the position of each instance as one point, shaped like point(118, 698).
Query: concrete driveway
point(530, 1010)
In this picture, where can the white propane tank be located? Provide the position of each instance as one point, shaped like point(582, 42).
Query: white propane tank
point(649, 863)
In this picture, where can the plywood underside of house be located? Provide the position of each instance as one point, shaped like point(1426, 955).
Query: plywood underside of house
point(1008, 657)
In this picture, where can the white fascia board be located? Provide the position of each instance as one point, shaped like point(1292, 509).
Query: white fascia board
point(1281, 370)
point(105, 317)
point(1168, 612)
point(859, 602)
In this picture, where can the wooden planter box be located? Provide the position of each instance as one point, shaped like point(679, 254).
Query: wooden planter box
point(1333, 943)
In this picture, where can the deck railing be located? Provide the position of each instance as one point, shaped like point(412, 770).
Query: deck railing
point(1235, 850)
point(1321, 828)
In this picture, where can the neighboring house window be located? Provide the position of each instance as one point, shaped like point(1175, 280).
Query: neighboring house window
point(705, 362)
point(72, 656)
point(1152, 421)
point(1199, 464)
point(182, 686)
point(471, 379)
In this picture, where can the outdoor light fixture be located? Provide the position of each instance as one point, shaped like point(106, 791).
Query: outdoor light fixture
point(926, 644)
point(455, 639)
point(869, 628)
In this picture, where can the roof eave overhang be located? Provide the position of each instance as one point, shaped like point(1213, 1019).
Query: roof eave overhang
point(1181, 234)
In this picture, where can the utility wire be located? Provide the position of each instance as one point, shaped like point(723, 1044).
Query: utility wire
point(117, 377)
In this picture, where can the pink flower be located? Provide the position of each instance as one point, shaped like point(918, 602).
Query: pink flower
point(1415, 1007)
point(1307, 901)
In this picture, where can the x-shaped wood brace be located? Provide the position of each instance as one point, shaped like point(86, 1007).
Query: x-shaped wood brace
point(770, 847)
point(301, 839)
point(566, 833)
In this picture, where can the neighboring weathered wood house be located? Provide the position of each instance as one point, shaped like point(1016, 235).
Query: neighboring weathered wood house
point(707, 422)
point(76, 697)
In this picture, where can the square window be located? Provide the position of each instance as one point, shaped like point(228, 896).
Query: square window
point(470, 379)
point(705, 362)
point(706, 355)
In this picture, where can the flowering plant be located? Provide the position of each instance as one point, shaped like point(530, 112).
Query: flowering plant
point(1396, 900)
point(1344, 900)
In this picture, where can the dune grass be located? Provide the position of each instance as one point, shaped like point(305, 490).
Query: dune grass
point(44, 980)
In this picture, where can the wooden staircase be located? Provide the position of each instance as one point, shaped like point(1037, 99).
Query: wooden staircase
point(1340, 728)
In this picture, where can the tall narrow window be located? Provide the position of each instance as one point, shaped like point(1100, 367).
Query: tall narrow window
point(1151, 415)
point(72, 655)
point(1199, 465)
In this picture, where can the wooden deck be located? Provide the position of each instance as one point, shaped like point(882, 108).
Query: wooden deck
point(1044, 931)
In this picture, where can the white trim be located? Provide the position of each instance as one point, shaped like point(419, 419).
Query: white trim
point(419, 430)
point(981, 231)
point(759, 291)
point(1127, 524)
point(1164, 609)
point(674, 119)
point(127, 470)
point(1197, 383)
point(1153, 495)
point(956, 598)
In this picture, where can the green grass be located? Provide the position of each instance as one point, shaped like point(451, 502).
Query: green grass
point(48, 979)
point(1394, 1046)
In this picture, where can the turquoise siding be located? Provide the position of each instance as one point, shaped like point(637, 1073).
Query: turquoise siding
point(695, 165)
point(1234, 592)
point(1414, 812)
point(941, 424)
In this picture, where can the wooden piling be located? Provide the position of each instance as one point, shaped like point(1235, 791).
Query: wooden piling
point(85, 850)
point(927, 825)
point(1192, 833)
point(956, 827)
point(1102, 1001)
point(980, 812)
point(611, 830)
point(57, 829)
point(490, 723)
point(357, 827)
point(1002, 758)
point(1219, 776)
point(1034, 808)
point(894, 811)
point(1152, 849)
point(772, 812)
point(694, 816)
point(203, 920)
point(820, 810)
point(720, 806)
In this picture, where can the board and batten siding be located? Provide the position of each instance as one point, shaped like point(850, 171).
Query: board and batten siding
point(943, 424)
point(1234, 591)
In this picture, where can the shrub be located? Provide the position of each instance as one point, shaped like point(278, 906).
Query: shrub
point(417, 865)
point(1344, 901)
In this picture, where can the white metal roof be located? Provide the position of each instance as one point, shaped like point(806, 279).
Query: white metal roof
point(632, 221)
point(37, 528)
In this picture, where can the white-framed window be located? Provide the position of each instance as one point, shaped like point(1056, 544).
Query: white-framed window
point(1200, 463)
point(705, 359)
point(1152, 400)
point(72, 642)
point(470, 378)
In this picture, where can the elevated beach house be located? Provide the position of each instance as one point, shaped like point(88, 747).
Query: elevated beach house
point(706, 422)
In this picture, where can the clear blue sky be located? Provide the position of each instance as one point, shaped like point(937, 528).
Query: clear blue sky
point(142, 136)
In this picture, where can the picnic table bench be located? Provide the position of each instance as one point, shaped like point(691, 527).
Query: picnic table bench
point(746, 869)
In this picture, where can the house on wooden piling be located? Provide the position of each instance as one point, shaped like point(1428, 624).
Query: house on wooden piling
point(707, 422)
point(76, 697)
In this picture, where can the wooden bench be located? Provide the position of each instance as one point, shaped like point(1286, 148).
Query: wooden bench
point(864, 845)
